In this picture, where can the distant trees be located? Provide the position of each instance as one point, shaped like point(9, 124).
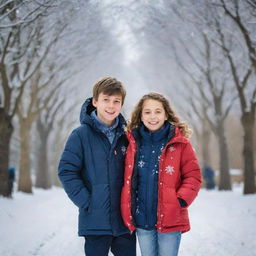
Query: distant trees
point(209, 95)
point(227, 28)
point(243, 69)
point(41, 49)
point(230, 55)
point(18, 28)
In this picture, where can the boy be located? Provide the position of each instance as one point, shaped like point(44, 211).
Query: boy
point(91, 170)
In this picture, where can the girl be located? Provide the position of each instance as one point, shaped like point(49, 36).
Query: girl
point(162, 177)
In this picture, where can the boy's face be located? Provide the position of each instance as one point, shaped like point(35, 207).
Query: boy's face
point(108, 107)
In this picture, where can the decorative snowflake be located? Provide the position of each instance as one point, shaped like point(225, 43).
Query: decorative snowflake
point(123, 149)
point(141, 163)
point(172, 149)
point(154, 172)
point(169, 169)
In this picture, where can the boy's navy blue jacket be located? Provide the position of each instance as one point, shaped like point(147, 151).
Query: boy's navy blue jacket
point(91, 171)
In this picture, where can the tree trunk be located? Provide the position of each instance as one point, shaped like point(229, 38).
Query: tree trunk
point(205, 143)
point(6, 130)
point(43, 179)
point(57, 147)
point(25, 183)
point(247, 121)
point(224, 182)
point(56, 180)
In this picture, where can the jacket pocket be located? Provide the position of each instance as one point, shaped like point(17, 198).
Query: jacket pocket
point(171, 209)
point(97, 215)
point(100, 197)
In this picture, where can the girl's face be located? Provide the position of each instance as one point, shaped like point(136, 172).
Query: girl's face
point(153, 114)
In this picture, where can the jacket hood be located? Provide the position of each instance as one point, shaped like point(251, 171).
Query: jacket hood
point(85, 115)
point(86, 110)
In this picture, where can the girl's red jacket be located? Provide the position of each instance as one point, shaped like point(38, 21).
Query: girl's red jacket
point(179, 177)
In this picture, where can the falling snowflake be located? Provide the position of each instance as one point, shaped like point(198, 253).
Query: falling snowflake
point(123, 149)
point(172, 149)
point(137, 210)
point(141, 163)
point(169, 169)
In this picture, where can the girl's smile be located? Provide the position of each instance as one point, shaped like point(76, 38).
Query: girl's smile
point(153, 114)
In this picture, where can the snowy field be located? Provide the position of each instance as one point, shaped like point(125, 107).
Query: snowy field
point(45, 224)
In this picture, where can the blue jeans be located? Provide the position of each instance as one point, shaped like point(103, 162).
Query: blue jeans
point(153, 243)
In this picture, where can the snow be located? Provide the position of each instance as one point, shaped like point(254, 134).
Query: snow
point(45, 223)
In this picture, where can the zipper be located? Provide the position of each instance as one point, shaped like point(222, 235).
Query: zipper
point(160, 184)
point(111, 152)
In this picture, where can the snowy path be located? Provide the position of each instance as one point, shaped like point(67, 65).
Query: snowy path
point(45, 224)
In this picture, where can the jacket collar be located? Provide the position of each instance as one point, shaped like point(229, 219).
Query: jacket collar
point(166, 132)
point(177, 138)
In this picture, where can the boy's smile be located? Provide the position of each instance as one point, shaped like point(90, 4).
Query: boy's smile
point(108, 107)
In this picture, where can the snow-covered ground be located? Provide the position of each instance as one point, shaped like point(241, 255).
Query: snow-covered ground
point(45, 224)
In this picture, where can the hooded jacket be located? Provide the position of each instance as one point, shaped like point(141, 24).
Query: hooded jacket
point(179, 177)
point(91, 171)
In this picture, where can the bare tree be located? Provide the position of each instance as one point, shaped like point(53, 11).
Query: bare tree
point(39, 98)
point(243, 75)
point(44, 126)
point(61, 129)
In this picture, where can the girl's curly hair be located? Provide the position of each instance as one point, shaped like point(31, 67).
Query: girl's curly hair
point(170, 113)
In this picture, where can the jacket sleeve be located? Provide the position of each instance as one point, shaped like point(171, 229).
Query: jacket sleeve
point(69, 171)
point(190, 175)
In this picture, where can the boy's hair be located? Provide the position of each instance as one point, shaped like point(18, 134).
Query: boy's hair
point(170, 114)
point(109, 86)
